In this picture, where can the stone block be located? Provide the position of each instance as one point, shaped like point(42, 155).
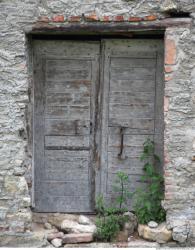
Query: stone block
point(56, 242)
point(74, 227)
point(159, 234)
point(78, 238)
point(57, 235)
point(84, 220)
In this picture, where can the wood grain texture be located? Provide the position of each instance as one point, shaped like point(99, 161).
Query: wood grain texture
point(130, 101)
point(86, 93)
point(64, 119)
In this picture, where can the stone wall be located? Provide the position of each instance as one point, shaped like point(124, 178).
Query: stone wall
point(19, 17)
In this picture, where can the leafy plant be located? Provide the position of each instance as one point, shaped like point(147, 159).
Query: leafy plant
point(111, 219)
point(121, 188)
point(147, 200)
point(107, 227)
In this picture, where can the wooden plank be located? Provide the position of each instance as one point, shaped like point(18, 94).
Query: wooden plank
point(132, 123)
point(76, 86)
point(66, 99)
point(141, 85)
point(67, 155)
point(68, 112)
point(68, 64)
point(67, 141)
point(116, 164)
point(66, 174)
point(131, 98)
point(127, 152)
point(120, 111)
point(132, 73)
point(129, 140)
point(74, 74)
point(128, 63)
point(140, 130)
point(65, 127)
point(62, 188)
point(69, 164)
point(38, 114)
point(61, 204)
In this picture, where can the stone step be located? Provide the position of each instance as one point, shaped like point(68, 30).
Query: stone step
point(77, 238)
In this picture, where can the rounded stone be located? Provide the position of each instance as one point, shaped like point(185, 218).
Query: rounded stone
point(152, 224)
point(56, 242)
point(84, 220)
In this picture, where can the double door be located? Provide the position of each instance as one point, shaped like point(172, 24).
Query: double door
point(95, 103)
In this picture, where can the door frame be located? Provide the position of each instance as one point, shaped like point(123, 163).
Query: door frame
point(97, 138)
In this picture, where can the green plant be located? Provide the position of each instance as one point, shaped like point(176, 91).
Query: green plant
point(111, 219)
point(107, 227)
point(122, 190)
point(147, 200)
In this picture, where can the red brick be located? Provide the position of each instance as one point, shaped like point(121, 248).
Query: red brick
point(58, 19)
point(106, 19)
point(150, 18)
point(44, 19)
point(166, 104)
point(77, 238)
point(168, 69)
point(168, 78)
point(74, 19)
point(134, 19)
point(119, 18)
point(91, 18)
point(170, 51)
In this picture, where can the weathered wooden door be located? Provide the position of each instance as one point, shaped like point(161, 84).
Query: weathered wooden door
point(65, 81)
point(132, 108)
point(90, 120)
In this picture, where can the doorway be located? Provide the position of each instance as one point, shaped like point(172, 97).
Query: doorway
point(95, 103)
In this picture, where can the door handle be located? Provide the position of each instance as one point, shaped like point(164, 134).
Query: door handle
point(91, 128)
point(121, 155)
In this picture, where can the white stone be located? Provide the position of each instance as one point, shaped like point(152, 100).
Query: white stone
point(69, 226)
point(152, 224)
point(160, 234)
point(84, 220)
point(56, 242)
point(74, 227)
point(47, 225)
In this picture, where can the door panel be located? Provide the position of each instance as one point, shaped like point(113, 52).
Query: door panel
point(91, 122)
point(131, 92)
point(66, 77)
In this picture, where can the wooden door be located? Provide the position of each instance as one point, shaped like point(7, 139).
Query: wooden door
point(66, 74)
point(132, 108)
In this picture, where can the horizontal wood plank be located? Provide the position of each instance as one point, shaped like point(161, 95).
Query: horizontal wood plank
point(68, 112)
point(127, 63)
point(63, 188)
point(64, 127)
point(66, 63)
point(64, 86)
point(63, 204)
point(129, 98)
point(67, 141)
point(141, 85)
point(132, 123)
point(132, 73)
point(67, 155)
point(67, 99)
point(121, 111)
